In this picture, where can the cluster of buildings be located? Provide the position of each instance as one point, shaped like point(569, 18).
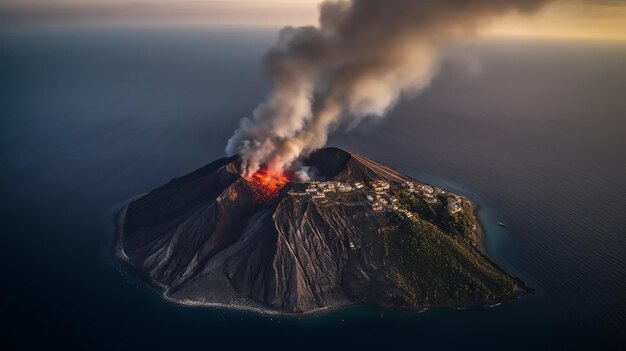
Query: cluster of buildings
point(380, 186)
point(378, 195)
point(430, 195)
point(380, 202)
point(318, 190)
point(455, 204)
point(428, 192)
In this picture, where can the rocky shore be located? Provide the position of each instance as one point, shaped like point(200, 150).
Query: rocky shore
point(361, 233)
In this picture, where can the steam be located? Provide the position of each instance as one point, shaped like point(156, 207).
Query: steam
point(362, 58)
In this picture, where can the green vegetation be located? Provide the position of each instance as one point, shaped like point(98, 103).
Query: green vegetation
point(433, 268)
point(461, 223)
point(432, 257)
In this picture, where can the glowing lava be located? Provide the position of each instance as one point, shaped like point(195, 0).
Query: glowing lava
point(267, 184)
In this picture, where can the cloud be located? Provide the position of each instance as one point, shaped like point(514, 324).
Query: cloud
point(363, 56)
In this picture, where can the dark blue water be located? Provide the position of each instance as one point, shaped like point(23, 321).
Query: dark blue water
point(91, 118)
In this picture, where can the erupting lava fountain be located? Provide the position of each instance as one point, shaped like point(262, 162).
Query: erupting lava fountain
point(267, 184)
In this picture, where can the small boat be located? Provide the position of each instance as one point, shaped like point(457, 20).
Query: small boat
point(503, 225)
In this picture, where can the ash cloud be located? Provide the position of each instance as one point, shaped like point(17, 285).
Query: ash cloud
point(359, 61)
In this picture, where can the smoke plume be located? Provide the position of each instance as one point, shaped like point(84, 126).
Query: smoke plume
point(363, 56)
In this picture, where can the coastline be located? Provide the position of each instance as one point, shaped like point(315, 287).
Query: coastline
point(482, 239)
point(482, 248)
point(480, 228)
point(118, 252)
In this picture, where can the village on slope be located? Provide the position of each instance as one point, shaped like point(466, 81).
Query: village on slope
point(380, 195)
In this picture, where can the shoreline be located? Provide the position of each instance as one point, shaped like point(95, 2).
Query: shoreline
point(482, 240)
point(482, 248)
point(324, 311)
point(480, 228)
point(118, 252)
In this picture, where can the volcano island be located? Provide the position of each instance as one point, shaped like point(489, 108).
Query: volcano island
point(360, 233)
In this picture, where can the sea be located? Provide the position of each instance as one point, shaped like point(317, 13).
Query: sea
point(533, 130)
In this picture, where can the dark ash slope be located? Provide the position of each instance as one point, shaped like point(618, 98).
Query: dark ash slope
point(205, 240)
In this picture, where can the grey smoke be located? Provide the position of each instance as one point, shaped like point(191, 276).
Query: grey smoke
point(362, 58)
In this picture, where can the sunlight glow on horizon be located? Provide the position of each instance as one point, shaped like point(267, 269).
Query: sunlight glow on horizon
point(604, 19)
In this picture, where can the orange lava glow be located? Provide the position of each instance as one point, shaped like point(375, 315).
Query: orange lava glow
point(267, 184)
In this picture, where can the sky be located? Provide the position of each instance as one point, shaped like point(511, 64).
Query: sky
point(601, 19)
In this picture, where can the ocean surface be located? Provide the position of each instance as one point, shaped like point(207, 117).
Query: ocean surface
point(532, 130)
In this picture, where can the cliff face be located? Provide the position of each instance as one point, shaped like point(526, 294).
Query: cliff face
point(206, 238)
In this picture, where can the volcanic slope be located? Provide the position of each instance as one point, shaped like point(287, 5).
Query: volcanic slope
point(362, 233)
